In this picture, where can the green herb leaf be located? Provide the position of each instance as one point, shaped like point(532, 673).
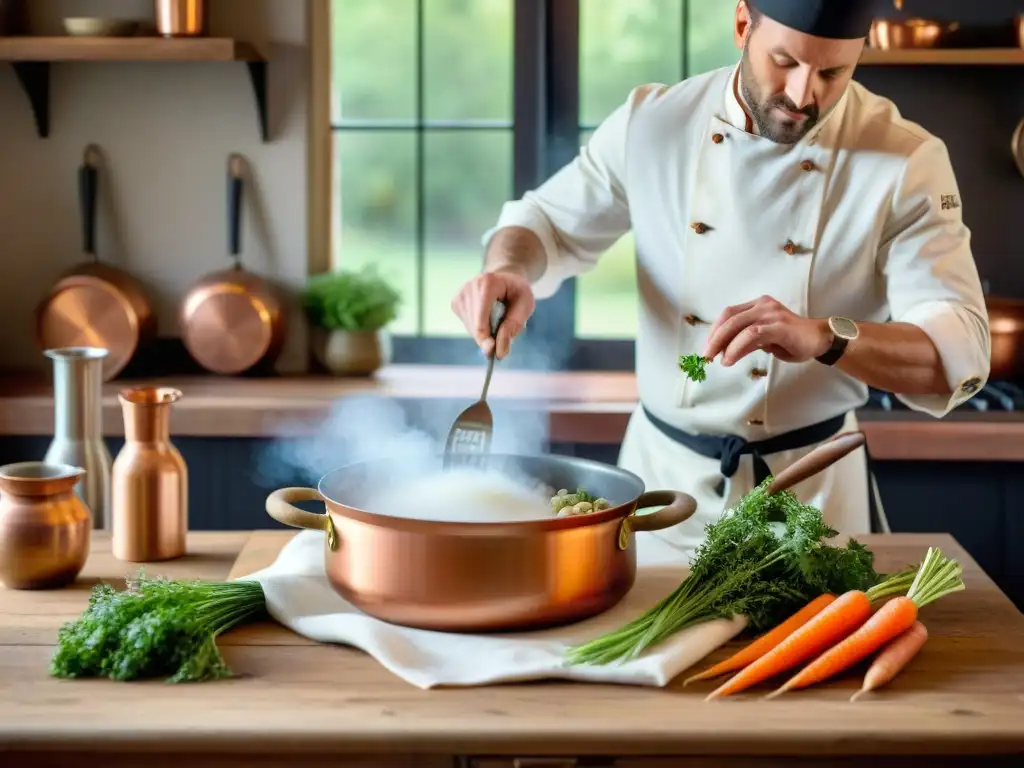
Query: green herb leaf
point(694, 366)
point(155, 628)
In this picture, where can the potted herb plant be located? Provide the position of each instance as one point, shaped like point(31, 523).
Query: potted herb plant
point(350, 311)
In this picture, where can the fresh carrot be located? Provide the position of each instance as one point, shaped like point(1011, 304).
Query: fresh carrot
point(765, 642)
point(937, 577)
point(891, 660)
point(833, 623)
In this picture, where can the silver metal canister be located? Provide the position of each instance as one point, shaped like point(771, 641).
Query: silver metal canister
point(78, 425)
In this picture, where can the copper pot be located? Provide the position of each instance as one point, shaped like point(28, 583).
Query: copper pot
point(488, 576)
point(45, 528)
point(181, 18)
point(1006, 329)
point(233, 320)
point(886, 34)
point(434, 575)
point(94, 304)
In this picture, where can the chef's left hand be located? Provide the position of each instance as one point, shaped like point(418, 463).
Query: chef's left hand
point(766, 324)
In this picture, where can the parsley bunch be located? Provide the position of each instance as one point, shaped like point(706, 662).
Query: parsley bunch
point(764, 560)
point(694, 366)
point(155, 628)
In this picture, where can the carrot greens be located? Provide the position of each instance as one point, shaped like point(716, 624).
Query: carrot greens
point(155, 628)
point(764, 559)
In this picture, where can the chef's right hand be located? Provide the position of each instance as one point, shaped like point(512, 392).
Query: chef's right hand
point(473, 306)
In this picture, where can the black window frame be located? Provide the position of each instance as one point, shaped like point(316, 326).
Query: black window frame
point(546, 136)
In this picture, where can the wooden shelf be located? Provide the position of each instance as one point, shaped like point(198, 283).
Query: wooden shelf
point(944, 56)
point(31, 58)
point(125, 49)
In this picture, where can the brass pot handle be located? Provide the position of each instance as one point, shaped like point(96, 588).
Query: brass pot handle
point(677, 508)
point(280, 506)
point(825, 455)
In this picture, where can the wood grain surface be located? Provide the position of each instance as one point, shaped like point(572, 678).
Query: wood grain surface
point(581, 407)
point(962, 696)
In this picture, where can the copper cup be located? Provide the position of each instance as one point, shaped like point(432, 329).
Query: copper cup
point(45, 528)
point(181, 18)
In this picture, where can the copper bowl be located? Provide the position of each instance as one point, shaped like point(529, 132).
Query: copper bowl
point(887, 34)
point(1006, 329)
point(488, 576)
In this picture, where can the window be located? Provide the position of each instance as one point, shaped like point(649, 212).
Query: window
point(444, 109)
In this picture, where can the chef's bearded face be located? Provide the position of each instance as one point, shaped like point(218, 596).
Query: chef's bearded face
point(790, 79)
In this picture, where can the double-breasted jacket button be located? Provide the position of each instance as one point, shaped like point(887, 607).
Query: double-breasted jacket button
point(693, 320)
point(789, 247)
point(807, 165)
point(699, 227)
point(758, 373)
point(970, 386)
point(717, 138)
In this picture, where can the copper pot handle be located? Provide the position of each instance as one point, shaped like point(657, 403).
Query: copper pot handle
point(825, 455)
point(280, 506)
point(677, 508)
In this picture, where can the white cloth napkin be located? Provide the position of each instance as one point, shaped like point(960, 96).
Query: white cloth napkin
point(299, 597)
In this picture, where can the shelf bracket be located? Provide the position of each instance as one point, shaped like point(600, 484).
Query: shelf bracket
point(258, 77)
point(34, 77)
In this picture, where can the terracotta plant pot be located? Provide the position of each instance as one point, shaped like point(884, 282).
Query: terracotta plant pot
point(351, 353)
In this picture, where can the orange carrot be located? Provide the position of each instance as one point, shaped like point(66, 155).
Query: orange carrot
point(765, 642)
point(841, 617)
point(938, 576)
point(893, 658)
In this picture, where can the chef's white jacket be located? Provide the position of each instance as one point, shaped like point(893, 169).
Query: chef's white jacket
point(861, 218)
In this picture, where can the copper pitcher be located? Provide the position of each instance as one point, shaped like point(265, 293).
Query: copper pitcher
point(45, 527)
point(150, 481)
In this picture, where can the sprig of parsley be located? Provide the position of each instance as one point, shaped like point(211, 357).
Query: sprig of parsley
point(694, 366)
point(155, 628)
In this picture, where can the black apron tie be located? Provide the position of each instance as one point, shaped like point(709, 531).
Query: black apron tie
point(727, 450)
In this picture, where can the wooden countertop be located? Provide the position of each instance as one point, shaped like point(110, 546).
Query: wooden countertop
point(963, 695)
point(582, 407)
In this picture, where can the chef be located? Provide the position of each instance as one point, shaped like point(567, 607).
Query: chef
point(793, 228)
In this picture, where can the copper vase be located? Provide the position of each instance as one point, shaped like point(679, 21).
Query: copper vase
point(150, 481)
point(45, 527)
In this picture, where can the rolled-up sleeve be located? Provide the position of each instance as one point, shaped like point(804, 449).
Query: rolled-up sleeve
point(931, 278)
point(582, 210)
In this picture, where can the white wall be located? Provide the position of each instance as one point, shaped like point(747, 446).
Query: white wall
point(165, 131)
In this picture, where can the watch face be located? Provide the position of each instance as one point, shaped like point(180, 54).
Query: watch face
point(844, 328)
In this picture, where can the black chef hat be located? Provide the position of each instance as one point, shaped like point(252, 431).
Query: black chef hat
point(836, 19)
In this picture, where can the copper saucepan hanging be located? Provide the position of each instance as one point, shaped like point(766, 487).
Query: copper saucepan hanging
point(94, 304)
point(233, 320)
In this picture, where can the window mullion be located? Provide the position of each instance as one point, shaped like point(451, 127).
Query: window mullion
point(546, 138)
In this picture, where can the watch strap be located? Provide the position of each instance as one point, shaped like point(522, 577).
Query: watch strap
point(835, 351)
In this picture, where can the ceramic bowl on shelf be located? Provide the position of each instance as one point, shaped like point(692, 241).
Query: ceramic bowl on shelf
point(87, 26)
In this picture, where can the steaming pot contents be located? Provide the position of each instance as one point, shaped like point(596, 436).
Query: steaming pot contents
point(472, 495)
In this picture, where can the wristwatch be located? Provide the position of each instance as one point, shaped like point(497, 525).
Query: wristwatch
point(844, 330)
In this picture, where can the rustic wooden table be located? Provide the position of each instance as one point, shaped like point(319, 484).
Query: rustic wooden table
point(299, 703)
